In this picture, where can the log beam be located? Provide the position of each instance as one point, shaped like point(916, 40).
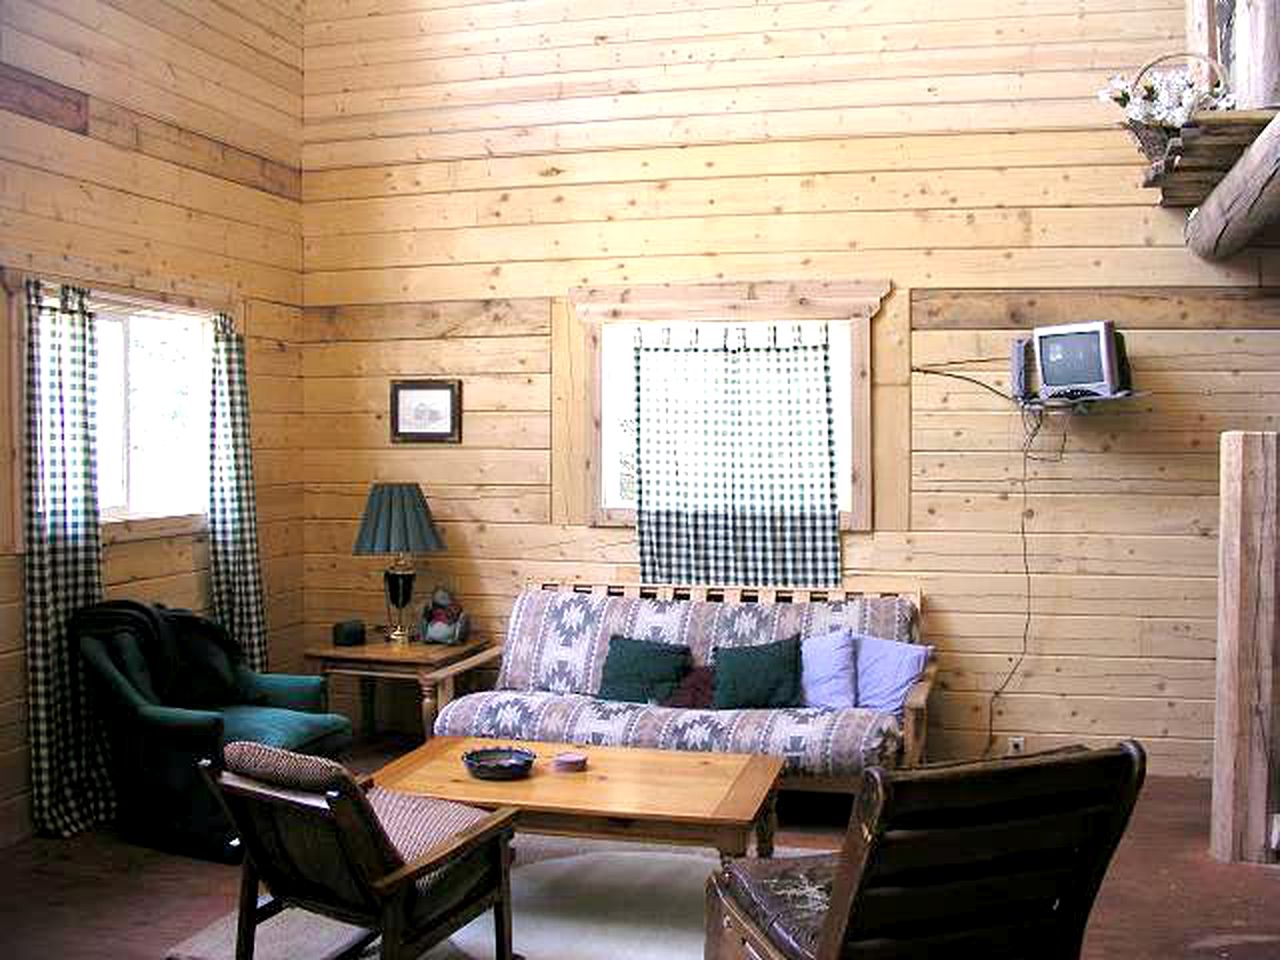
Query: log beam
point(1245, 201)
point(1246, 748)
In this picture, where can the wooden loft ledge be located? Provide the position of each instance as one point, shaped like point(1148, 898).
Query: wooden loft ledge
point(1245, 201)
point(1226, 165)
point(1197, 159)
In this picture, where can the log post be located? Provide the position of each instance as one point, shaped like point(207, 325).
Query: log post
point(1245, 200)
point(1256, 68)
point(1246, 746)
point(1202, 35)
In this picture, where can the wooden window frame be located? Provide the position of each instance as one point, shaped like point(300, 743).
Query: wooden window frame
point(587, 311)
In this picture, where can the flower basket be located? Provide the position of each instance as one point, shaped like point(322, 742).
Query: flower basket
point(1157, 105)
point(1152, 141)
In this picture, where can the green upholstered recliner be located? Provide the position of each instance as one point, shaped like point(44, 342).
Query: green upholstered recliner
point(171, 688)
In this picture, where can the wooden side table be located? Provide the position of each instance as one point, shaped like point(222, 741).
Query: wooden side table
point(420, 662)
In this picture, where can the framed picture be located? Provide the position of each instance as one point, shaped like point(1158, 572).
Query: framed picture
point(426, 411)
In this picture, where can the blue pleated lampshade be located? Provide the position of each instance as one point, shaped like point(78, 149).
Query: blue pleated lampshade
point(396, 520)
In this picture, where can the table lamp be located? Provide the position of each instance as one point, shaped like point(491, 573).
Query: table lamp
point(396, 521)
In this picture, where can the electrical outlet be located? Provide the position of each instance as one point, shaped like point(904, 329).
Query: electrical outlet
point(1017, 746)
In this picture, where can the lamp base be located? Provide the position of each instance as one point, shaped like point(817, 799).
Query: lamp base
point(398, 584)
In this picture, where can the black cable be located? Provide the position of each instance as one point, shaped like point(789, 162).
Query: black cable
point(1038, 412)
point(968, 361)
point(967, 379)
point(1032, 422)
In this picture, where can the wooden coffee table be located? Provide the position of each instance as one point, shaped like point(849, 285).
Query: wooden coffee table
point(665, 796)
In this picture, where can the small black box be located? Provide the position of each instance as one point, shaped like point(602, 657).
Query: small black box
point(348, 633)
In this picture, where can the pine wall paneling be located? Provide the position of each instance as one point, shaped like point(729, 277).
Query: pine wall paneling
point(155, 145)
point(462, 158)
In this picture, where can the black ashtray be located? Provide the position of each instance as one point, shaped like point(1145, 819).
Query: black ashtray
point(499, 763)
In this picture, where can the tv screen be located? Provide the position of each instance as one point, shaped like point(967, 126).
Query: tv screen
point(1070, 358)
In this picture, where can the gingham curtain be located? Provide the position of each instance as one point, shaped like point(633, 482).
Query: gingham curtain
point(736, 478)
point(235, 570)
point(70, 787)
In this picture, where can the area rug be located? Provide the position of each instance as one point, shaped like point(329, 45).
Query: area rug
point(571, 899)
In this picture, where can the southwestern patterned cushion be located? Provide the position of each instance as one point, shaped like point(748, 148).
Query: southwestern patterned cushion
point(558, 641)
point(814, 741)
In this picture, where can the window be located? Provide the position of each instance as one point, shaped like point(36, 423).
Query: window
point(593, 379)
point(153, 411)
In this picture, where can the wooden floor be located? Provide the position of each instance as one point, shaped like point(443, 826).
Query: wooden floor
point(1164, 899)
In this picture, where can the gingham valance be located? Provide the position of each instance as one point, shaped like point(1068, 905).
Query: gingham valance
point(736, 462)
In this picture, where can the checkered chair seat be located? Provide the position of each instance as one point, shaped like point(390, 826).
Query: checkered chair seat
point(415, 825)
point(814, 741)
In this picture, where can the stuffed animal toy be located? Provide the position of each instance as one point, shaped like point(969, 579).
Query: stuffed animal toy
point(443, 619)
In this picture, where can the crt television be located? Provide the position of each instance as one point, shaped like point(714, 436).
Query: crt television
point(1079, 361)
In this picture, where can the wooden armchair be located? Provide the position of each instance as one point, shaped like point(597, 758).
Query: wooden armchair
point(998, 859)
point(413, 868)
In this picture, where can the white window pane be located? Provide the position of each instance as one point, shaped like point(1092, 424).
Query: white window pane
point(111, 433)
point(169, 415)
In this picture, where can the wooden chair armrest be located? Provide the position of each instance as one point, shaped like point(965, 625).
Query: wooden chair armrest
point(462, 666)
point(486, 831)
point(915, 716)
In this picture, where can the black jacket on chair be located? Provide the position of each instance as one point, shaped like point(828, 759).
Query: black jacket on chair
point(171, 688)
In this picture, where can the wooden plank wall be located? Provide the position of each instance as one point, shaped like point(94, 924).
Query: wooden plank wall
point(155, 145)
point(1120, 511)
point(466, 165)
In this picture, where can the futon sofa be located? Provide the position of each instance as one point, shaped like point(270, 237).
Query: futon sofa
point(557, 641)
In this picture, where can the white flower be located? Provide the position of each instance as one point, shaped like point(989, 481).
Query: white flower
point(1166, 98)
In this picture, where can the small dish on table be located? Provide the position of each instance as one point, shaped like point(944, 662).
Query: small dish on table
point(499, 763)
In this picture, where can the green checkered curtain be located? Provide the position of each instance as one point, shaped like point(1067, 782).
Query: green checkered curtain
point(70, 787)
point(736, 475)
point(234, 567)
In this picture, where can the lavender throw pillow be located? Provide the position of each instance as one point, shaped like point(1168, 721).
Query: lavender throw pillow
point(828, 670)
point(886, 671)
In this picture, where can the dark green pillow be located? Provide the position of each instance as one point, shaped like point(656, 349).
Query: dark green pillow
point(765, 675)
point(643, 671)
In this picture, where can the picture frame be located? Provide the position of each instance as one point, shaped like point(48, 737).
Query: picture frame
point(426, 411)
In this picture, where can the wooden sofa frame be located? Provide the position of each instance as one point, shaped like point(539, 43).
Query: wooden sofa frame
point(915, 716)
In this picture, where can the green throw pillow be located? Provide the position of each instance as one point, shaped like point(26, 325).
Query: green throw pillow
point(643, 671)
point(765, 675)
